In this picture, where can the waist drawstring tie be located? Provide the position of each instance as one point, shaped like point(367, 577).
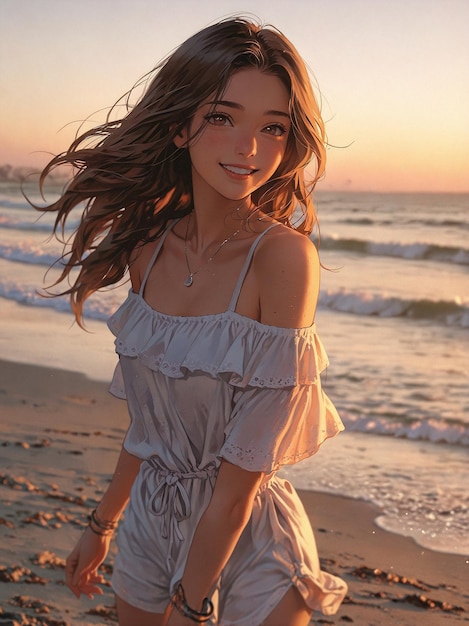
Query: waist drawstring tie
point(170, 500)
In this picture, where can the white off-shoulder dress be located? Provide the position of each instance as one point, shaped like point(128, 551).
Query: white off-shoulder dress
point(199, 390)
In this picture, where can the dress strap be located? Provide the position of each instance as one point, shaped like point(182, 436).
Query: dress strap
point(154, 257)
point(245, 268)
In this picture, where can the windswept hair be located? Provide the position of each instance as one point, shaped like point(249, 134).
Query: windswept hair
point(131, 178)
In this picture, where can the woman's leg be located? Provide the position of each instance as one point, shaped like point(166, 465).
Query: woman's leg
point(131, 616)
point(290, 611)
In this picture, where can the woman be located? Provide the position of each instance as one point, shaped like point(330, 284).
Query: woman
point(199, 192)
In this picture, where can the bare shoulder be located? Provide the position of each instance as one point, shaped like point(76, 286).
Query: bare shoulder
point(287, 270)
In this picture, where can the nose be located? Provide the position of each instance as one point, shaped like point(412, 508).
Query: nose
point(246, 144)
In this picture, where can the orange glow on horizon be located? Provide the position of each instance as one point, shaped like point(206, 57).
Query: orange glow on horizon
point(397, 105)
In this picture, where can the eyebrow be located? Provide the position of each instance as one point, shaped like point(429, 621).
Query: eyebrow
point(236, 105)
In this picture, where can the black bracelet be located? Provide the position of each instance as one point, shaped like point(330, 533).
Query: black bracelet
point(103, 525)
point(179, 602)
point(105, 533)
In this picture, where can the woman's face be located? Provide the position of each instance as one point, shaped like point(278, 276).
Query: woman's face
point(243, 138)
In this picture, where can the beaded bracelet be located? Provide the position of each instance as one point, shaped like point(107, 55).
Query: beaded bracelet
point(179, 602)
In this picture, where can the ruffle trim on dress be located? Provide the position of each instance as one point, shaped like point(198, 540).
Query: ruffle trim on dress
point(237, 349)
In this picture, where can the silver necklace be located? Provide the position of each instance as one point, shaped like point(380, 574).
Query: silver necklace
point(190, 277)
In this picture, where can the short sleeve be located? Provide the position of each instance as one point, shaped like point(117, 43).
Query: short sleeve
point(117, 386)
point(271, 427)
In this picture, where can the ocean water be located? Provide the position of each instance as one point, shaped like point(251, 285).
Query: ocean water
point(393, 315)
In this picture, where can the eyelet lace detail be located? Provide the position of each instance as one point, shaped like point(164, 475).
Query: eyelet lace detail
point(237, 349)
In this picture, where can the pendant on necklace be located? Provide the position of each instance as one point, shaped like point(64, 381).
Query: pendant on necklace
point(188, 282)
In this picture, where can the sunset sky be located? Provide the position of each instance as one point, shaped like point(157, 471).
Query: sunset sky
point(394, 76)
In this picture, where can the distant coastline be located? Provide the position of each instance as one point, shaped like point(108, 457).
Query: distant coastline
point(21, 173)
point(15, 174)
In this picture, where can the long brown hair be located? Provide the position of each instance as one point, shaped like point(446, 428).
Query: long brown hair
point(131, 178)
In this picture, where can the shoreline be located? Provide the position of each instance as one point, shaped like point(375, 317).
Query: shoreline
point(61, 433)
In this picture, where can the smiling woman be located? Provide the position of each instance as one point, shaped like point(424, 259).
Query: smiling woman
point(197, 187)
point(238, 143)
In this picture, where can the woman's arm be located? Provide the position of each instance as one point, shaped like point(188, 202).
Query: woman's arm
point(117, 494)
point(217, 534)
point(81, 574)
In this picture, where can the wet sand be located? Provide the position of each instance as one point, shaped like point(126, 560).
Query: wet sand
point(59, 438)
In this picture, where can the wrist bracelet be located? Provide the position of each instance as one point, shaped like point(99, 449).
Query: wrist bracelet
point(102, 524)
point(105, 533)
point(179, 602)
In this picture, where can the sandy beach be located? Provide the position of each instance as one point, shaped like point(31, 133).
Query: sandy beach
point(60, 434)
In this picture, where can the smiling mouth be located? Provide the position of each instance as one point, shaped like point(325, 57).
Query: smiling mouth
point(240, 171)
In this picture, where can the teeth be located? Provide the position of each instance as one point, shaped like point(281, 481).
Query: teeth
point(237, 170)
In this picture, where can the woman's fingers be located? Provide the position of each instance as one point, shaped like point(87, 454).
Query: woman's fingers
point(81, 568)
point(82, 580)
point(91, 590)
point(87, 584)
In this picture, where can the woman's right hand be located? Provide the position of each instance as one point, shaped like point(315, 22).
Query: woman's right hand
point(81, 570)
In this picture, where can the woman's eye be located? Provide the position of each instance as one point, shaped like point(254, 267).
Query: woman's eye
point(218, 119)
point(275, 129)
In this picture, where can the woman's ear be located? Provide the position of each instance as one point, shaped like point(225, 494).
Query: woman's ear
point(180, 140)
